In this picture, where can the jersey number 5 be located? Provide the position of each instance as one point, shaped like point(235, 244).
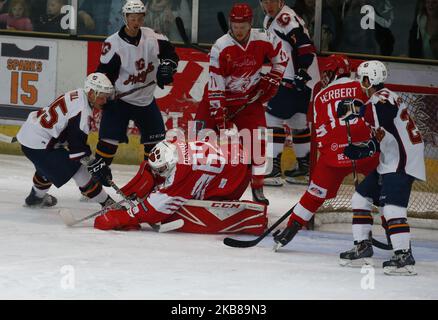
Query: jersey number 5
point(49, 117)
point(413, 132)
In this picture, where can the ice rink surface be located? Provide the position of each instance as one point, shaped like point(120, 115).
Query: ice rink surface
point(41, 258)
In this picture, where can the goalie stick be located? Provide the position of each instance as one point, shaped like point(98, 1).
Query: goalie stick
point(236, 243)
point(182, 32)
point(7, 139)
point(222, 22)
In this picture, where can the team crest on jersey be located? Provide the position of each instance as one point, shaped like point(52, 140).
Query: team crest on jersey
point(284, 19)
point(140, 64)
point(334, 147)
point(317, 191)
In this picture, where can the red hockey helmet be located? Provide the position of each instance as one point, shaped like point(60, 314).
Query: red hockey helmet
point(338, 64)
point(241, 12)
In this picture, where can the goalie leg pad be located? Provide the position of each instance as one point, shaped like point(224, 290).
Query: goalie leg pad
point(223, 217)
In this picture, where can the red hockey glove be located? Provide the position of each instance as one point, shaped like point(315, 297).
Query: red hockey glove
point(218, 113)
point(266, 88)
point(116, 220)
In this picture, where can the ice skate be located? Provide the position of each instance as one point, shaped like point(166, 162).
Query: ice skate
point(273, 179)
point(32, 201)
point(299, 174)
point(360, 255)
point(258, 196)
point(401, 264)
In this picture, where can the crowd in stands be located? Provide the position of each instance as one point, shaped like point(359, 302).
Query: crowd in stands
point(342, 22)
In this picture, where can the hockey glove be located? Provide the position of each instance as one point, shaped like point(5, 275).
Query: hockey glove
point(119, 219)
point(362, 150)
point(300, 79)
point(100, 172)
point(350, 109)
point(284, 237)
point(218, 113)
point(266, 88)
point(165, 72)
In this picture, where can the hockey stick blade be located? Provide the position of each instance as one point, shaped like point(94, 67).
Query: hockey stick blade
point(222, 22)
point(7, 139)
point(381, 245)
point(182, 32)
point(236, 243)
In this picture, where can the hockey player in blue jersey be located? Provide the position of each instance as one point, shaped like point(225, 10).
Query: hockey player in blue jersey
point(389, 186)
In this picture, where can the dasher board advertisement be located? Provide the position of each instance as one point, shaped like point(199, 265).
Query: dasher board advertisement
point(27, 71)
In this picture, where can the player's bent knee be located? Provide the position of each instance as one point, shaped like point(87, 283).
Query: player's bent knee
point(394, 212)
point(360, 202)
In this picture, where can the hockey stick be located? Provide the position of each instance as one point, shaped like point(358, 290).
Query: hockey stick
point(375, 242)
point(7, 139)
point(182, 32)
point(236, 243)
point(124, 94)
point(240, 109)
point(222, 22)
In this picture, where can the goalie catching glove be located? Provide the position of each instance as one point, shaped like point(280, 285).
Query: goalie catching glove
point(362, 150)
point(165, 72)
point(350, 109)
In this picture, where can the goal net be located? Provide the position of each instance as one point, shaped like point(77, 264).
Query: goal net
point(423, 202)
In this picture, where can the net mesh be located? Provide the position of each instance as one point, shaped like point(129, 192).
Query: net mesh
point(424, 197)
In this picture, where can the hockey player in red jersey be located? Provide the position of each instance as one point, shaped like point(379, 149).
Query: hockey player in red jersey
point(388, 186)
point(236, 90)
point(176, 173)
point(332, 165)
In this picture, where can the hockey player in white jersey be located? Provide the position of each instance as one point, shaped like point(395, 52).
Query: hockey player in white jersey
point(136, 59)
point(48, 132)
point(389, 186)
point(289, 106)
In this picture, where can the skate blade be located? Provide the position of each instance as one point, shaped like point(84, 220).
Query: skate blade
point(277, 246)
point(403, 271)
point(273, 182)
point(298, 181)
point(357, 263)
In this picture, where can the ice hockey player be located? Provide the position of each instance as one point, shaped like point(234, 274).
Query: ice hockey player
point(236, 90)
point(289, 106)
point(332, 165)
point(177, 172)
point(401, 149)
point(65, 123)
point(136, 60)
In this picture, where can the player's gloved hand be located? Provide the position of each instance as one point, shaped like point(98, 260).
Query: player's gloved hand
point(362, 150)
point(266, 88)
point(118, 219)
point(300, 79)
point(165, 72)
point(282, 238)
point(218, 113)
point(100, 172)
point(350, 109)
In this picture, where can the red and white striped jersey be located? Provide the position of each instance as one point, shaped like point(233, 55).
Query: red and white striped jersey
point(401, 144)
point(235, 69)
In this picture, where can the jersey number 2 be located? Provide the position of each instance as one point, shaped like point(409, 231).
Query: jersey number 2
point(413, 132)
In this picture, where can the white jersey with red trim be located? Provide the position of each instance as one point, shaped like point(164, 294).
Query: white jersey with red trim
point(401, 144)
point(138, 67)
point(284, 23)
point(67, 119)
point(235, 69)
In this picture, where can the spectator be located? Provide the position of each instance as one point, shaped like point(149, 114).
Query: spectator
point(17, 17)
point(306, 10)
point(51, 20)
point(161, 14)
point(100, 17)
point(423, 39)
point(355, 39)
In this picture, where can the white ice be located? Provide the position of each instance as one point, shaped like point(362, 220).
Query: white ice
point(41, 258)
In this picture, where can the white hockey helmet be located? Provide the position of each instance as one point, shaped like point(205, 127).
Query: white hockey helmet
point(132, 6)
point(374, 70)
point(100, 83)
point(163, 158)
